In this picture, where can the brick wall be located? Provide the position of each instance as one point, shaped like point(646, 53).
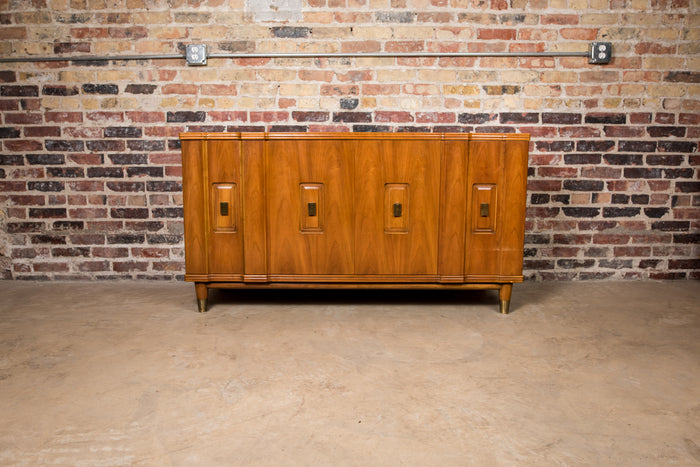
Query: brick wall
point(90, 176)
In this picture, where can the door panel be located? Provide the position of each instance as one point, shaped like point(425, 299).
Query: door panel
point(483, 224)
point(396, 206)
point(224, 174)
point(310, 206)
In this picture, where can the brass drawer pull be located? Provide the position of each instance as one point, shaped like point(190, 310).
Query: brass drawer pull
point(484, 210)
point(223, 209)
point(312, 209)
point(398, 209)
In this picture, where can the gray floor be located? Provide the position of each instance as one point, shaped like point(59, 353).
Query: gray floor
point(127, 373)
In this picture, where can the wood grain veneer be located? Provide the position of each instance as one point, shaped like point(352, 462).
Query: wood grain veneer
point(354, 210)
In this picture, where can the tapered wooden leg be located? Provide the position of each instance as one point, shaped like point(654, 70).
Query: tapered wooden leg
point(504, 296)
point(202, 292)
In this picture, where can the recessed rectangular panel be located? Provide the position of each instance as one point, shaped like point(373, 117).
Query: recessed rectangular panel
point(396, 207)
point(225, 199)
point(484, 208)
point(312, 209)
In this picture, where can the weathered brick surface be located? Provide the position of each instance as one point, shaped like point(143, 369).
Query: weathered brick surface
point(90, 174)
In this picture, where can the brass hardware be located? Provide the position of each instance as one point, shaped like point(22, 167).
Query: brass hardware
point(484, 209)
point(505, 304)
point(223, 209)
point(202, 305)
point(312, 209)
point(397, 209)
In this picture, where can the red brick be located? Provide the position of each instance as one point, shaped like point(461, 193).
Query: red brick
point(13, 32)
point(404, 46)
point(146, 117)
point(355, 75)
point(623, 131)
point(165, 158)
point(150, 252)
point(316, 75)
point(86, 185)
point(601, 172)
point(395, 117)
point(544, 185)
point(611, 239)
point(644, 48)
point(38, 131)
point(435, 117)
point(558, 172)
point(110, 252)
point(89, 33)
point(24, 145)
point(559, 19)
point(381, 89)
point(129, 266)
point(228, 116)
point(9, 104)
point(579, 132)
point(545, 159)
point(93, 266)
point(180, 89)
point(105, 117)
point(50, 267)
point(361, 47)
point(496, 34)
point(269, 116)
point(24, 118)
point(87, 213)
point(63, 117)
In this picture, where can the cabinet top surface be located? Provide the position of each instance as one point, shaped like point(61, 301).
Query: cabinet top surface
point(358, 136)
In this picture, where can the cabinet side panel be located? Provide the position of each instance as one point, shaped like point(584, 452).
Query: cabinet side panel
point(194, 208)
point(453, 199)
point(224, 169)
point(254, 211)
point(513, 225)
point(482, 257)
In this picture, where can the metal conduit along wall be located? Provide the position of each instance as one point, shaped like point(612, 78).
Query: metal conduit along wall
point(196, 54)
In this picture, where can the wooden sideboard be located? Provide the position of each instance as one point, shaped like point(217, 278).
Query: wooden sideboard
point(354, 210)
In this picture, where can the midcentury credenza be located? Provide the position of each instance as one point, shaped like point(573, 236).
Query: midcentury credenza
point(354, 210)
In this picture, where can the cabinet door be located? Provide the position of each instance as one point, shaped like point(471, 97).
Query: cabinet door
point(396, 206)
point(223, 192)
point(496, 208)
point(310, 210)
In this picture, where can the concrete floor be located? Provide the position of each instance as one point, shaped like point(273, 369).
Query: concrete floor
point(127, 373)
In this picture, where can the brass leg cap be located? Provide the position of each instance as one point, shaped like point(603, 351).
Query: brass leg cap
point(202, 304)
point(505, 304)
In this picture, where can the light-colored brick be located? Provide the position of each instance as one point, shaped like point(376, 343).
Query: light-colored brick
point(258, 89)
point(519, 76)
point(394, 75)
point(413, 32)
point(278, 75)
point(298, 89)
point(372, 32)
point(438, 76)
point(663, 63)
point(462, 90)
point(152, 17)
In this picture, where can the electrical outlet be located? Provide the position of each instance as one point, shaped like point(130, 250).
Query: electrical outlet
point(196, 54)
point(601, 52)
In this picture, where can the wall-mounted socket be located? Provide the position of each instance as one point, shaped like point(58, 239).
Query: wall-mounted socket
point(196, 54)
point(601, 52)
